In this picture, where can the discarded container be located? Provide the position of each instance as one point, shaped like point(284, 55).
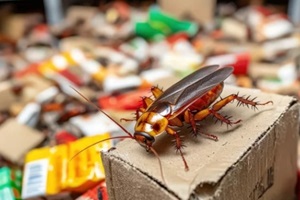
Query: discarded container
point(64, 137)
point(126, 101)
point(49, 170)
point(30, 114)
point(240, 61)
point(160, 25)
point(16, 139)
point(10, 183)
point(94, 124)
point(97, 193)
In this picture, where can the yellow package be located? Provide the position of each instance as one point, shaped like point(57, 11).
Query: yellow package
point(100, 75)
point(47, 68)
point(74, 56)
point(49, 170)
point(86, 169)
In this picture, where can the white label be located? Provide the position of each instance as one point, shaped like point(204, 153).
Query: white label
point(221, 60)
point(90, 66)
point(35, 178)
point(128, 66)
point(184, 62)
point(30, 114)
point(94, 124)
point(60, 62)
point(77, 55)
point(287, 73)
point(112, 83)
point(47, 95)
point(156, 74)
point(277, 28)
point(65, 85)
point(271, 48)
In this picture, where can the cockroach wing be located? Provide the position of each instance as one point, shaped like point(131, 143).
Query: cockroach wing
point(186, 82)
point(185, 92)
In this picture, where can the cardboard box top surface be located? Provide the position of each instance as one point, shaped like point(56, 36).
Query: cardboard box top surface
point(212, 159)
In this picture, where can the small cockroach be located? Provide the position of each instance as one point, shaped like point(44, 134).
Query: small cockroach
point(189, 101)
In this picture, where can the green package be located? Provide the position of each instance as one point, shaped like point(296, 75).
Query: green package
point(10, 183)
point(160, 25)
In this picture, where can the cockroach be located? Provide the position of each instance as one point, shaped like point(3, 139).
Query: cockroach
point(188, 101)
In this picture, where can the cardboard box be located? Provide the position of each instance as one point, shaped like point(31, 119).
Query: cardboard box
point(34, 84)
point(15, 25)
point(17, 139)
point(198, 10)
point(256, 159)
point(7, 95)
point(235, 29)
point(77, 13)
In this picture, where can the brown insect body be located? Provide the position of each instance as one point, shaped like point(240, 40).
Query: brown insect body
point(154, 121)
point(206, 100)
point(188, 101)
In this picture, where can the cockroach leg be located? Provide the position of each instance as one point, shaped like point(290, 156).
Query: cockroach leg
point(127, 120)
point(175, 122)
point(137, 115)
point(186, 167)
point(156, 91)
point(207, 135)
point(223, 102)
point(178, 145)
point(146, 101)
point(210, 136)
point(189, 118)
point(224, 119)
point(250, 102)
point(241, 101)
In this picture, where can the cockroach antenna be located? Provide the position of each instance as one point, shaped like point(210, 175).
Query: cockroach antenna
point(129, 135)
point(97, 107)
point(111, 138)
point(160, 165)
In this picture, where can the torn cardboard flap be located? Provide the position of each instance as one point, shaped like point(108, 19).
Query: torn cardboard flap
point(252, 146)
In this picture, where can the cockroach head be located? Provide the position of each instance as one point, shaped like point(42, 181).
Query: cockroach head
point(144, 139)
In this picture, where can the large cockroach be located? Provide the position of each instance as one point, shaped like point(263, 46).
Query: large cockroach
point(189, 101)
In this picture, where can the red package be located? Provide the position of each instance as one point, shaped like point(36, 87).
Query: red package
point(97, 193)
point(126, 101)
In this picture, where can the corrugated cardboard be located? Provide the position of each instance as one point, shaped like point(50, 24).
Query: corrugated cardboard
point(253, 160)
point(16, 139)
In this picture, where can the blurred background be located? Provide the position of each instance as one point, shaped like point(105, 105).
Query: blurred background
point(113, 52)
